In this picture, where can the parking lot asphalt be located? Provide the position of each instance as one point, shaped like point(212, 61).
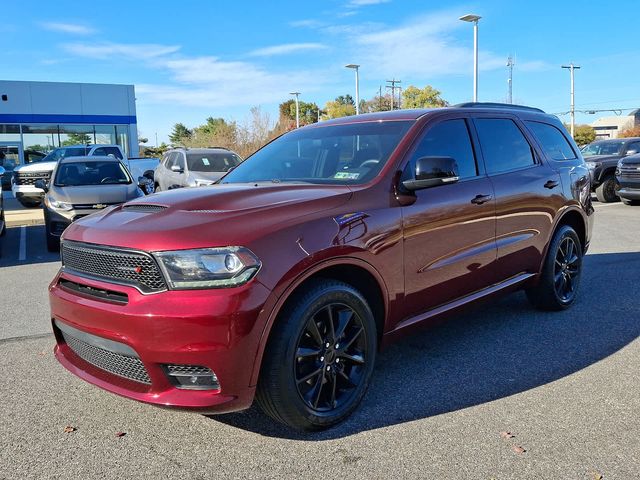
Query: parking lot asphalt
point(565, 385)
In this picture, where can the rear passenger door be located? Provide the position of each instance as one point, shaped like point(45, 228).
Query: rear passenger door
point(528, 193)
point(449, 231)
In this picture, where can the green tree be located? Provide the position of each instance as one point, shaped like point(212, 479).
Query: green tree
point(77, 139)
point(179, 134)
point(583, 134)
point(308, 112)
point(342, 106)
point(630, 132)
point(427, 97)
point(376, 104)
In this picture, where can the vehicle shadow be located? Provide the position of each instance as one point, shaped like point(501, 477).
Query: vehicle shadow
point(499, 349)
point(25, 246)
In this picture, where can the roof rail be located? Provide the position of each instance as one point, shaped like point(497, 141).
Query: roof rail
point(510, 106)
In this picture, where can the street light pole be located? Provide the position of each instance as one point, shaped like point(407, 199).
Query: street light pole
point(297, 94)
point(571, 67)
point(356, 67)
point(510, 64)
point(472, 18)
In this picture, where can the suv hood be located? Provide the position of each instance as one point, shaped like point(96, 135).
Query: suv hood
point(631, 160)
point(36, 167)
point(92, 194)
point(218, 215)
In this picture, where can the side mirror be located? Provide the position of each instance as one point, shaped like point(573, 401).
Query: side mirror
point(177, 169)
point(431, 172)
point(146, 185)
point(42, 185)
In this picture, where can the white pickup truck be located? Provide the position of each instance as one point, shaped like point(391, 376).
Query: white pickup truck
point(25, 176)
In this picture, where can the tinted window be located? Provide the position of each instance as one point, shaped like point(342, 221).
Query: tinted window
point(503, 145)
point(76, 174)
point(212, 162)
point(447, 139)
point(633, 147)
point(179, 161)
point(113, 152)
point(613, 147)
point(334, 154)
point(553, 142)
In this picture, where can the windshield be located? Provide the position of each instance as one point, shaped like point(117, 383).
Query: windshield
point(333, 155)
point(75, 174)
point(59, 153)
point(603, 148)
point(212, 162)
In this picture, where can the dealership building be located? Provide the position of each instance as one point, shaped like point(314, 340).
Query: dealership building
point(40, 116)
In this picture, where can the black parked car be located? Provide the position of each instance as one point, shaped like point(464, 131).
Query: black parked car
point(3, 225)
point(628, 178)
point(602, 159)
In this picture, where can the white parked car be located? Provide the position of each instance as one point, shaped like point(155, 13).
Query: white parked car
point(25, 176)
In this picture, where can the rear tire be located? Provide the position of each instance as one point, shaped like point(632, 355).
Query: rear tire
point(560, 277)
point(319, 358)
point(606, 191)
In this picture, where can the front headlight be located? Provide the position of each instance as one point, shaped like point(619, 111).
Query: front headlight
point(203, 183)
point(56, 205)
point(208, 267)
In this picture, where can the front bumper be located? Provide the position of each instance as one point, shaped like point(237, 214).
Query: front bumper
point(218, 329)
point(26, 191)
point(629, 188)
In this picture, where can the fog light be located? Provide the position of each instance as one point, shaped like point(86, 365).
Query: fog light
point(192, 377)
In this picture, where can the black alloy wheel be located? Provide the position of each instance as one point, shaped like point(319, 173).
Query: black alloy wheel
point(320, 356)
point(330, 357)
point(566, 270)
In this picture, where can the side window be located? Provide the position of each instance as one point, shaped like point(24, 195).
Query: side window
point(504, 147)
point(113, 152)
point(179, 161)
point(554, 144)
point(100, 152)
point(633, 148)
point(449, 138)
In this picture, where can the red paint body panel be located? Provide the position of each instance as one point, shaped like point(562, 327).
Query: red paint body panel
point(425, 251)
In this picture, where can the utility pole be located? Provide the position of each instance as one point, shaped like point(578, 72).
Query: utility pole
point(400, 98)
point(393, 90)
point(510, 64)
point(380, 98)
point(571, 67)
point(297, 94)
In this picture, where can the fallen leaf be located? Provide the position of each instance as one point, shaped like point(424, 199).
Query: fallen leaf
point(69, 429)
point(42, 354)
point(506, 435)
point(120, 434)
point(518, 449)
point(597, 476)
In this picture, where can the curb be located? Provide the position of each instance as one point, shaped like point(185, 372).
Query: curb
point(21, 218)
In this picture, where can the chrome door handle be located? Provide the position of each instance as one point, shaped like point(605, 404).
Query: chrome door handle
point(551, 184)
point(480, 199)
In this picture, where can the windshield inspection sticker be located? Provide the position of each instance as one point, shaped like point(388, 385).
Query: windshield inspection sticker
point(347, 175)
point(205, 161)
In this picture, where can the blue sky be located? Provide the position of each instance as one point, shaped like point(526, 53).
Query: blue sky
point(191, 60)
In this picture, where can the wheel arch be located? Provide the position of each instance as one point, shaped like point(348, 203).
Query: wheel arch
point(573, 217)
point(353, 271)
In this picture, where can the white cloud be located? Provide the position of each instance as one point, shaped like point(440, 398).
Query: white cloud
point(422, 48)
point(104, 50)
point(307, 23)
point(286, 49)
point(362, 3)
point(72, 28)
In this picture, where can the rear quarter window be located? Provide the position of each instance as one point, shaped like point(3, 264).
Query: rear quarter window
point(554, 144)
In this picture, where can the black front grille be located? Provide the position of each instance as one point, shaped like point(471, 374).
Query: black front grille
point(124, 366)
point(143, 207)
point(114, 264)
point(630, 172)
point(30, 178)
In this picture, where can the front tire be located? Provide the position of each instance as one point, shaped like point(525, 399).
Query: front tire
point(606, 191)
point(560, 278)
point(319, 358)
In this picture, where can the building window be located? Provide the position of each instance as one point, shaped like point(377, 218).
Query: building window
point(41, 138)
point(76, 135)
point(122, 137)
point(105, 134)
point(9, 133)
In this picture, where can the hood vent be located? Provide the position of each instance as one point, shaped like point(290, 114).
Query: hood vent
point(143, 207)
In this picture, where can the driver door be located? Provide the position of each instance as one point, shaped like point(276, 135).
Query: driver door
point(449, 231)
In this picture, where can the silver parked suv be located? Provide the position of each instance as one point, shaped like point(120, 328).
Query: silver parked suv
point(80, 186)
point(193, 167)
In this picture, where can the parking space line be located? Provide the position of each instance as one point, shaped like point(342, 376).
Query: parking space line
point(22, 249)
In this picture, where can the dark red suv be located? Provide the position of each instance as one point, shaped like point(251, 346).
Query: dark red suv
point(284, 279)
